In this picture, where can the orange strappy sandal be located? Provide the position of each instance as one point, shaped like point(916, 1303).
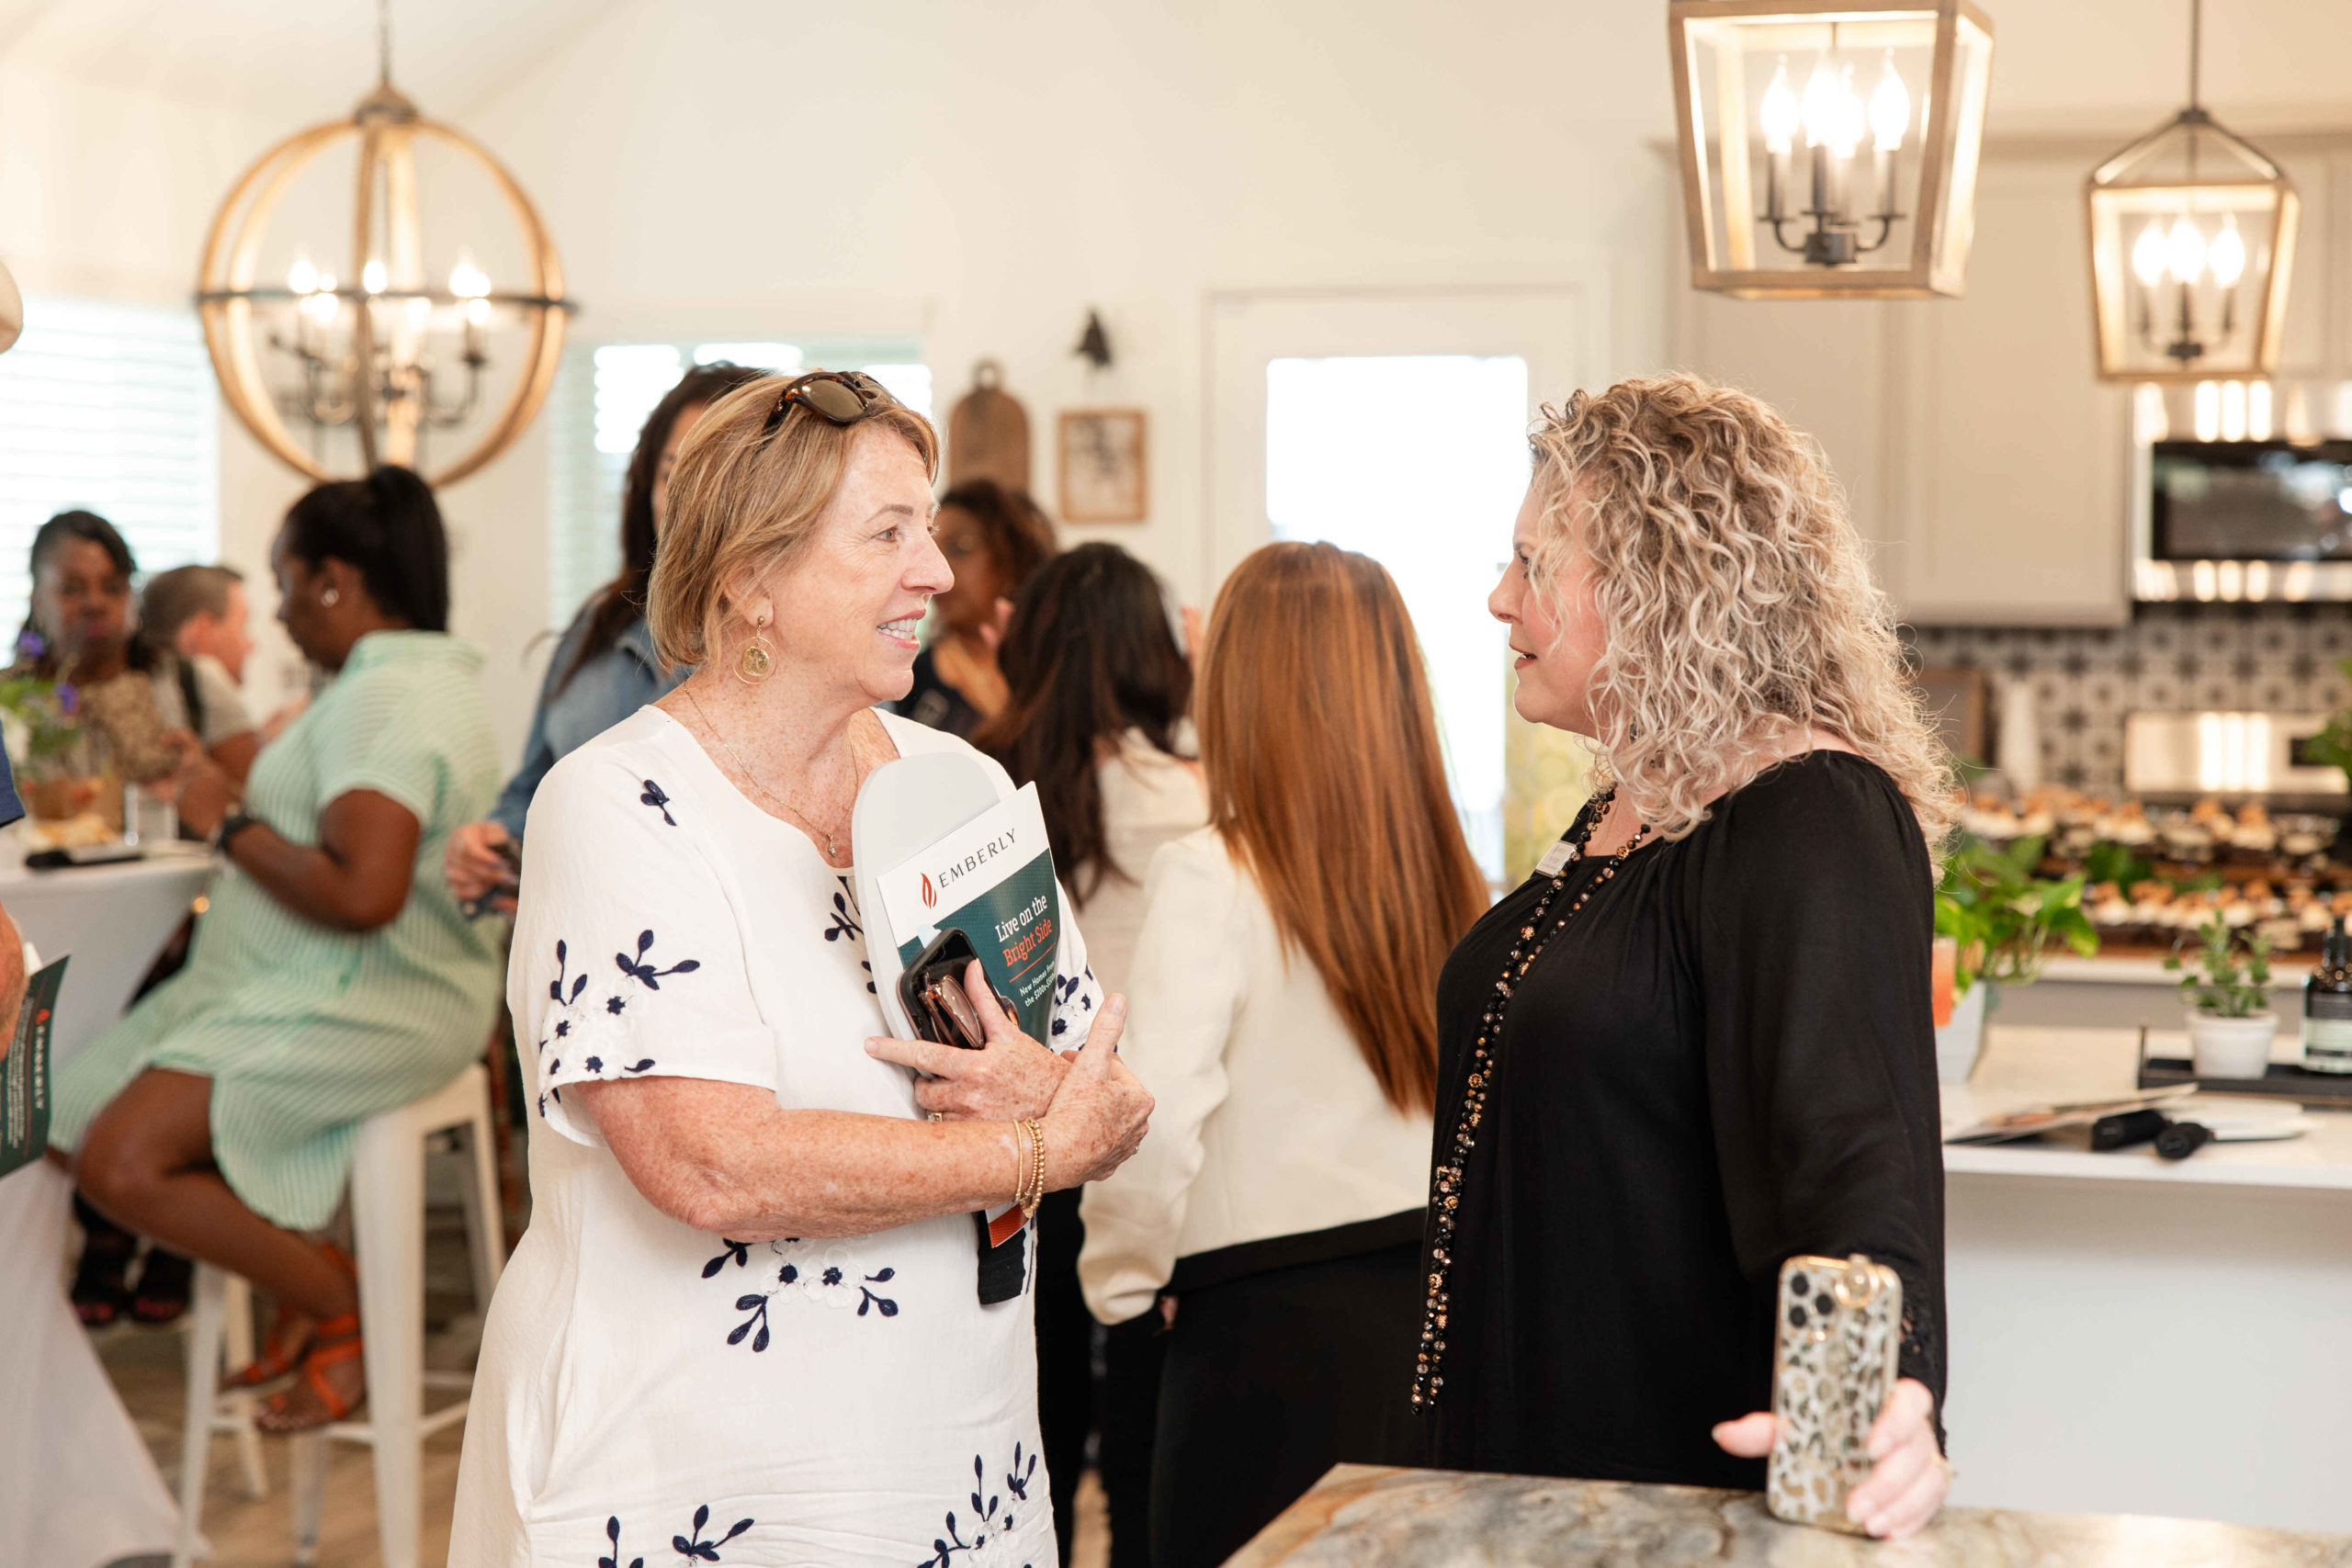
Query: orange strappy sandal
point(290, 1337)
point(333, 1341)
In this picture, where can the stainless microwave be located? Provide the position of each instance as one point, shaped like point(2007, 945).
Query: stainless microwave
point(2242, 520)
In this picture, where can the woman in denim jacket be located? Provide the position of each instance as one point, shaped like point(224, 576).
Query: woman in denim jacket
point(604, 668)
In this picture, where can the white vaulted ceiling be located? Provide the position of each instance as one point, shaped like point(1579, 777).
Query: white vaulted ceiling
point(296, 58)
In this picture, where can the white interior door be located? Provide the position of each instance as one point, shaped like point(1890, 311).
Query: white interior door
point(1395, 426)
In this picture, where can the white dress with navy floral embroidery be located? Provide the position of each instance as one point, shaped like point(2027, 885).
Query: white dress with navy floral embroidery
point(649, 1394)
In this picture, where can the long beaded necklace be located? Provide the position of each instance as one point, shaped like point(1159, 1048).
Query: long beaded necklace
point(1485, 1058)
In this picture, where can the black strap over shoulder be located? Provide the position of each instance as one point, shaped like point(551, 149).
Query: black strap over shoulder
point(190, 695)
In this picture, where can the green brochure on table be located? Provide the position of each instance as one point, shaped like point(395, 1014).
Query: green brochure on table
point(24, 1077)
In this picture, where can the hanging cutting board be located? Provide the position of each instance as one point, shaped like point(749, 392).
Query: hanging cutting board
point(987, 433)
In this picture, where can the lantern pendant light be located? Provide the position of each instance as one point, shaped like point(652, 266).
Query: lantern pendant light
point(1829, 148)
point(376, 364)
point(2192, 232)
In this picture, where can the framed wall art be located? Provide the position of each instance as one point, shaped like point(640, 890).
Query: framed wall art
point(1103, 470)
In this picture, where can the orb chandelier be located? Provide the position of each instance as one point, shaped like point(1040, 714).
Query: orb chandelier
point(2192, 240)
point(361, 356)
point(1829, 148)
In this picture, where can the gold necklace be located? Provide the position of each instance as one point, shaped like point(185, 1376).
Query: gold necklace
point(832, 849)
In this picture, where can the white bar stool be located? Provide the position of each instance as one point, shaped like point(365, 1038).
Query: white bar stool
point(387, 1234)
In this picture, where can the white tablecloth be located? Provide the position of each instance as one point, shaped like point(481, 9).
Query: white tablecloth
point(112, 919)
point(77, 1485)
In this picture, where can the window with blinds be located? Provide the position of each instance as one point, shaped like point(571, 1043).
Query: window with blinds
point(109, 408)
point(600, 403)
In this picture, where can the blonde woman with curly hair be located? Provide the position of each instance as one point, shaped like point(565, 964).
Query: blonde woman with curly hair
point(1696, 1042)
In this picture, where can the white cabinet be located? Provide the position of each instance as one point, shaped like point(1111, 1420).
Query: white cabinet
point(1981, 456)
point(2008, 499)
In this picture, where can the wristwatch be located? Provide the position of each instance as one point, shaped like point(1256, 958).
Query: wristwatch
point(230, 825)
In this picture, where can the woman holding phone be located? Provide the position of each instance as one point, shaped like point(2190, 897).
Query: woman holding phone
point(1697, 1042)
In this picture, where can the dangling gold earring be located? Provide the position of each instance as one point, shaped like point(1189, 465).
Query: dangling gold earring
point(757, 662)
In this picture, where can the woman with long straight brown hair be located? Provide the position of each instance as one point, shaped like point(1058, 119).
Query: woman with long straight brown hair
point(1283, 1017)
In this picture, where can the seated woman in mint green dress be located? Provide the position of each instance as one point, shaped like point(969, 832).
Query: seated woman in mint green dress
point(334, 977)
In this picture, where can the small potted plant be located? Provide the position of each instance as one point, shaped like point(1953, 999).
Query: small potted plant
point(2230, 1025)
point(63, 766)
point(2002, 922)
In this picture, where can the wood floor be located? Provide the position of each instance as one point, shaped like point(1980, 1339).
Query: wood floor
point(147, 1367)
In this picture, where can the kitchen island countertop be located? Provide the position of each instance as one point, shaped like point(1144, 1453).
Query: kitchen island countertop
point(1371, 1516)
point(2024, 1067)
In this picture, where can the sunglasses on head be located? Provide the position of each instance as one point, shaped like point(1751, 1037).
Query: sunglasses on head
point(838, 397)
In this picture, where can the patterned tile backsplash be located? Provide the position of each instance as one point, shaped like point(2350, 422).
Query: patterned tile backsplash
point(2277, 657)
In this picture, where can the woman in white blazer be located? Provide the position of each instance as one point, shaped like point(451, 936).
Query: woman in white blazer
point(1284, 1018)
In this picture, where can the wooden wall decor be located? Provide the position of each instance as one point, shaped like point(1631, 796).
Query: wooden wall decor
point(1103, 475)
point(987, 433)
point(12, 311)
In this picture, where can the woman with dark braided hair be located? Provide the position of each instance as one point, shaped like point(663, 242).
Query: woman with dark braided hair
point(604, 669)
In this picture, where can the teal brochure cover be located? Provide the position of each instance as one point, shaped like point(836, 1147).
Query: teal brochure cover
point(24, 1077)
point(993, 879)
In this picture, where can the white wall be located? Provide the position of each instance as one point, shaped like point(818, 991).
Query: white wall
point(980, 175)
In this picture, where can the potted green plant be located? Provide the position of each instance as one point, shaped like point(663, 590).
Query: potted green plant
point(2332, 748)
point(2230, 1025)
point(48, 747)
point(2003, 921)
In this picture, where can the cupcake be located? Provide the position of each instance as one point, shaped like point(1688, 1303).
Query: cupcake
point(2152, 913)
point(2186, 840)
point(2112, 915)
point(2303, 838)
point(2129, 827)
point(2252, 841)
point(1990, 818)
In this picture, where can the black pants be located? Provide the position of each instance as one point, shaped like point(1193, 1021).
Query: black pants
point(1065, 1356)
point(1114, 1397)
point(1270, 1381)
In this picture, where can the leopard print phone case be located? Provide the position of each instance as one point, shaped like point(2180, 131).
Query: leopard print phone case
point(1832, 1369)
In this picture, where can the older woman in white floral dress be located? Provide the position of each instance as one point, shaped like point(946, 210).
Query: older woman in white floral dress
point(745, 1326)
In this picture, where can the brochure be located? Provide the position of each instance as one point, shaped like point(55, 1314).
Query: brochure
point(993, 879)
point(24, 1077)
point(938, 850)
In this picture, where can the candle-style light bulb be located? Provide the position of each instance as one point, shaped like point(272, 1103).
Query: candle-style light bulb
point(1852, 121)
point(2185, 250)
point(1779, 112)
point(321, 305)
point(1890, 107)
point(1818, 109)
point(468, 281)
point(2226, 256)
point(302, 278)
point(2148, 254)
point(372, 276)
